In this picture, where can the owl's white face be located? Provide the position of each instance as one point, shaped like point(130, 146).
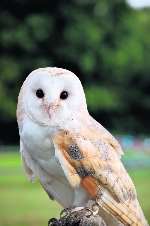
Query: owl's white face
point(52, 95)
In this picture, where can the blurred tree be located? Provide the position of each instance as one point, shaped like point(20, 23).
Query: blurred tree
point(105, 43)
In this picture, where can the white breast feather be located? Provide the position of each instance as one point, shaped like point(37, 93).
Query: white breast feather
point(39, 154)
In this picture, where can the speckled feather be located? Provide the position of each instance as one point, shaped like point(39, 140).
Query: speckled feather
point(100, 168)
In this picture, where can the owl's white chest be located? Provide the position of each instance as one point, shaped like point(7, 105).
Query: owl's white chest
point(37, 142)
point(37, 139)
point(39, 152)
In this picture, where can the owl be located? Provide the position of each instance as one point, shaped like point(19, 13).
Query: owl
point(74, 157)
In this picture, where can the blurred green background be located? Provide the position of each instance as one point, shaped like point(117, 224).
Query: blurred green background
point(107, 44)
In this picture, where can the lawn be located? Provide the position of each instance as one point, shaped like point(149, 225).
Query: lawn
point(26, 204)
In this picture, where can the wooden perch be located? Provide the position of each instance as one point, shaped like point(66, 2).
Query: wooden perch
point(78, 218)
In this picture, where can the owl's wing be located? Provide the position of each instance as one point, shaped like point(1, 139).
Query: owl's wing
point(91, 161)
point(26, 165)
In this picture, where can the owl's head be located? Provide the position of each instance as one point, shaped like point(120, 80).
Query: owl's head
point(50, 95)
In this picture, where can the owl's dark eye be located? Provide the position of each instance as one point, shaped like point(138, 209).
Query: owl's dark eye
point(39, 93)
point(64, 95)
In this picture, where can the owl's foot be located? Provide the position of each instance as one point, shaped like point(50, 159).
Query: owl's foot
point(92, 208)
point(67, 211)
point(95, 209)
point(78, 216)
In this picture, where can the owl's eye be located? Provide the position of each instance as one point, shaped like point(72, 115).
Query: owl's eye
point(64, 95)
point(39, 93)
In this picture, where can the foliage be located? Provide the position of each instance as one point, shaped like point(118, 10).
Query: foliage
point(105, 43)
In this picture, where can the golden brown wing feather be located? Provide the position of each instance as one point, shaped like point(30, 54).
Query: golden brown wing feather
point(91, 161)
point(90, 156)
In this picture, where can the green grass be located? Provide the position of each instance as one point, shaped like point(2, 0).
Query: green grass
point(26, 204)
point(22, 203)
point(141, 179)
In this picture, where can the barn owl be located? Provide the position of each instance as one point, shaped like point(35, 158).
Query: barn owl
point(74, 157)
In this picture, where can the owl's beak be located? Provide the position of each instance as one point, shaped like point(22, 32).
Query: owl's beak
point(51, 108)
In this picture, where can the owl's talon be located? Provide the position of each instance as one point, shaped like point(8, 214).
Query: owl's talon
point(90, 212)
point(95, 209)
